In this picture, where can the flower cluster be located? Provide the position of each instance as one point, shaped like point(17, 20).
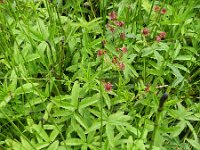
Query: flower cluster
point(114, 22)
point(161, 36)
point(157, 9)
point(116, 27)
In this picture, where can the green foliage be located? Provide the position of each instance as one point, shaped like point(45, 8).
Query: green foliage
point(89, 74)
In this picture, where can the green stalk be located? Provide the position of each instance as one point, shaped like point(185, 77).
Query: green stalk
point(158, 119)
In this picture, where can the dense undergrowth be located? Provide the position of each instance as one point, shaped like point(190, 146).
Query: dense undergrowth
point(118, 75)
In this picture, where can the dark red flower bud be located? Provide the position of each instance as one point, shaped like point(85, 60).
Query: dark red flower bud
point(119, 23)
point(113, 15)
point(162, 35)
point(100, 52)
point(156, 8)
point(145, 31)
point(108, 86)
point(163, 11)
point(158, 39)
point(122, 36)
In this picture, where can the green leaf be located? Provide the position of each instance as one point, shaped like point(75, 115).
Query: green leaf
point(147, 51)
point(41, 132)
point(32, 57)
point(107, 99)
point(75, 94)
point(194, 143)
point(55, 132)
point(73, 142)
point(158, 57)
point(80, 120)
point(185, 57)
point(5, 101)
point(35, 101)
point(26, 88)
point(176, 72)
point(25, 143)
point(192, 130)
point(95, 126)
point(110, 135)
point(54, 145)
point(179, 66)
point(118, 119)
point(89, 101)
point(130, 143)
point(41, 145)
point(180, 127)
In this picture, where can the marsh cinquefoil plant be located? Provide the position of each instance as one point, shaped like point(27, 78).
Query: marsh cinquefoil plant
point(89, 75)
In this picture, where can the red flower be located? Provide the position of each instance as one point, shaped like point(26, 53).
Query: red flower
point(158, 38)
point(163, 11)
point(100, 52)
point(124, 49)
point(121, 66)
point(113, 15)
point(162, 35)
point(119, 23)
point(145, 31)
point(122, 36)
point(156, 8)
point(108, 86)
